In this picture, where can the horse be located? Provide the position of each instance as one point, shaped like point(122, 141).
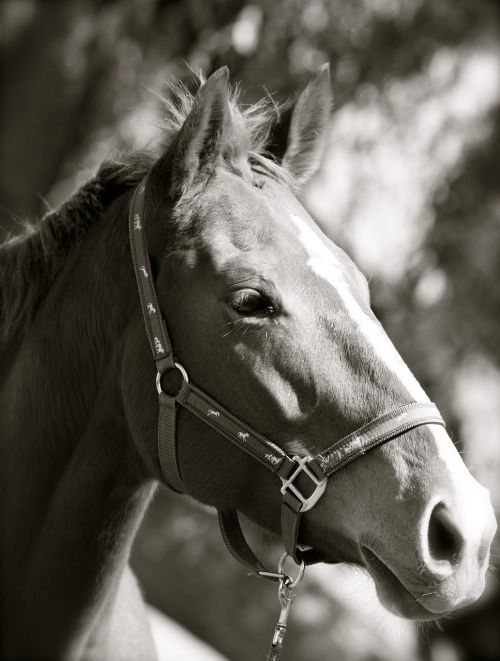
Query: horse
point(268, 316)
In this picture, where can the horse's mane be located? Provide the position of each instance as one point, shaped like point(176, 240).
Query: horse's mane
point(31, 259)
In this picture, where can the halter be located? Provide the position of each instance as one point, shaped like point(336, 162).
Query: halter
point(303, 479)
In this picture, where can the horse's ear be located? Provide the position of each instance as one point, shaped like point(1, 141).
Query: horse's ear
point(299, 137)
point(198, 146)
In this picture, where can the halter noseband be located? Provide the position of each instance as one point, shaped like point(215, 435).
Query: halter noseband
point(314, 470)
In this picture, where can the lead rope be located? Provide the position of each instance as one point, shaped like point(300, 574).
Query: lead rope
point(286, 596)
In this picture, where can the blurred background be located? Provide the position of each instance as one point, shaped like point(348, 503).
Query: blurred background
point(409, 187)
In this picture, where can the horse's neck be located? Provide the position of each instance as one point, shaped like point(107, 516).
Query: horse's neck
point(73, 487)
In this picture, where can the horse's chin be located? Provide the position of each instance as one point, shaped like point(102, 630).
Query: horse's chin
point(393, 595)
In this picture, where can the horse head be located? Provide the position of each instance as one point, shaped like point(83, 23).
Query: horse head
point(274, 321)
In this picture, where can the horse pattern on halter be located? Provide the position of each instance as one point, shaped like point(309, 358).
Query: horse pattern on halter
point(157, 334)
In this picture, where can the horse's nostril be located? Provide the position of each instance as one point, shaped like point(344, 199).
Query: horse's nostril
point(445, 541)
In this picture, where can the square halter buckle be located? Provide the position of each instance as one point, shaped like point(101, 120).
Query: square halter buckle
point(306, 502)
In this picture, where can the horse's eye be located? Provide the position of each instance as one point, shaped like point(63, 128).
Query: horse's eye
point(249, 302)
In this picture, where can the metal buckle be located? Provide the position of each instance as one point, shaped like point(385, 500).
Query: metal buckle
point(320, 483)
point(184, 375)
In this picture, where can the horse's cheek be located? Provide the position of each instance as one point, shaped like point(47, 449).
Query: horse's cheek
point(138, 393)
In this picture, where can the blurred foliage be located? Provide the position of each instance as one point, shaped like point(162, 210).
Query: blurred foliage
point(410, 188)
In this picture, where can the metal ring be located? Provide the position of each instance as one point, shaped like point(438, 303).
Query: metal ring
point(181, 369)
point(291, 583)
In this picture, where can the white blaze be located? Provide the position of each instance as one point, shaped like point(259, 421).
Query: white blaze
point(467, 501)
point(323, 263)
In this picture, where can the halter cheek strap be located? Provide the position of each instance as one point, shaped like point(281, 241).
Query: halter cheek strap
point(303, 479)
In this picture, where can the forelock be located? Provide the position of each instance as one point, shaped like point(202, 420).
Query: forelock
point(245, 151)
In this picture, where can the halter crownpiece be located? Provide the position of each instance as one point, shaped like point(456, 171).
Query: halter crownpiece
point(312, 471)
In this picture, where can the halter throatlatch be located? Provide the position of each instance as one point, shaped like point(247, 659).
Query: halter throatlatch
point(303, 479)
